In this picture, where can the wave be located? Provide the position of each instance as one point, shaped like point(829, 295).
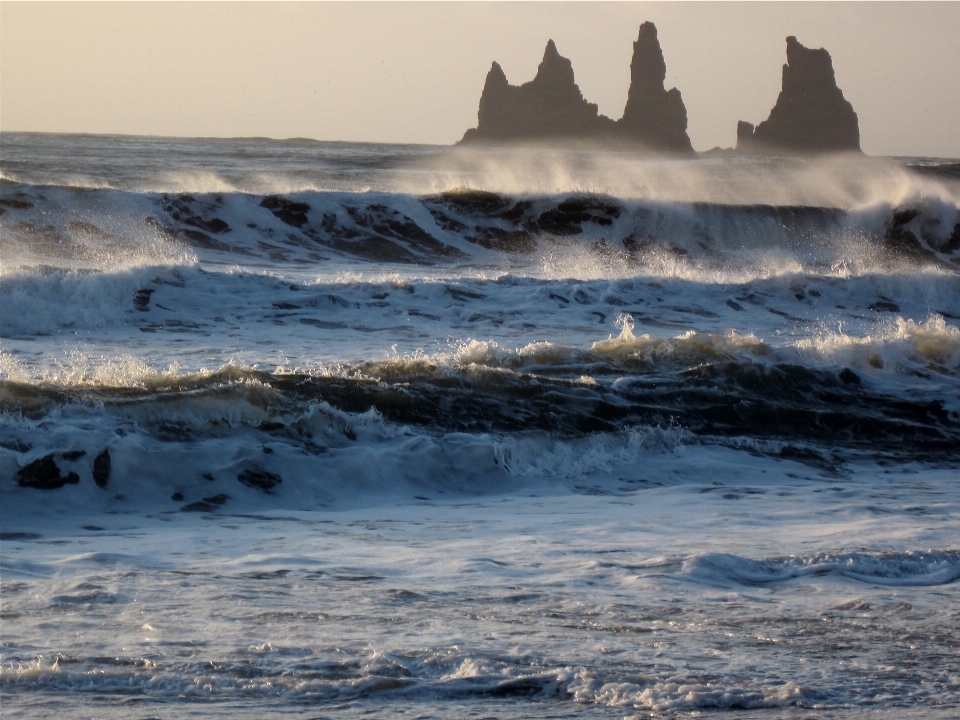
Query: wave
point(440, 675)
point(709, 385)
point(100, 228)
point(385, 677)
point(892, 569)
point(44, 300)
point(898, 344)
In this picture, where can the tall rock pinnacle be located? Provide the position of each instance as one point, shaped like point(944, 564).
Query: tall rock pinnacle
point(653, 116)
point(550, 108)
point(811, 114)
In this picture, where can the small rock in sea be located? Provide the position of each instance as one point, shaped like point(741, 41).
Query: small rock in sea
point(8, 536)
point(287, 211)
point(177, 496)
point(849, 377)
point(206, 505)
point(260, 479)
point(15, 445)
point(43, 474)
point(141, 301)
point(101, 468)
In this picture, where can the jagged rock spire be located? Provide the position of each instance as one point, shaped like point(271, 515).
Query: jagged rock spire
point(555, 70)
point(495, 94)
point(550, 105)
point(811, 114)
point(654, 116)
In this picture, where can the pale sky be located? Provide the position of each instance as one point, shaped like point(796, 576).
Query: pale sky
point(413, 72)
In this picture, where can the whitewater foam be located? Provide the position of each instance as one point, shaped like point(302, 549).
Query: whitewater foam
point(897, 344)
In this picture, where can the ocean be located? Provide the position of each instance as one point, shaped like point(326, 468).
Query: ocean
point(334, 430)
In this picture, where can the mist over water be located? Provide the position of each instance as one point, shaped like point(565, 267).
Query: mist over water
point(262, 166)
point(339, 429)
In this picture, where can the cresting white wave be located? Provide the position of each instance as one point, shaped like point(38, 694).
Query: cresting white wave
point(505, 320)
point(421, 678)
point(106, 229)
point(897, 346)
point(892, 569)
point(54, 299)
point(321, 456)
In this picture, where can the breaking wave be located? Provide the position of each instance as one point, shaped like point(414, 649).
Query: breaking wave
point(890, 569)
point(107, 228)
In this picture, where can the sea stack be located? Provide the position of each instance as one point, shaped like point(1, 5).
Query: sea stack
point(811, 115)
point(654, 117)
point(549, 107)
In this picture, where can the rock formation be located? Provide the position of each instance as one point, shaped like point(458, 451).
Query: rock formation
point(653, 116)
point(550, 106)
point(551, 109)
point(811, 114)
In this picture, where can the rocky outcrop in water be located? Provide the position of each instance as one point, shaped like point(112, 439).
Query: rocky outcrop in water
point(811, 115)
point(551, 109)
point(101, 468)
point(653, 116)
point(43, 474)
point(550, 106)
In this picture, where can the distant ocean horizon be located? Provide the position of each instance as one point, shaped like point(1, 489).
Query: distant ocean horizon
point(453, 144)
point(335, 429)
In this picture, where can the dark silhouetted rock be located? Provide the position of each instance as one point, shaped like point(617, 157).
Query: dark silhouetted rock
point(653, 116)
point(287, 211)
point(259, 479)
point(849, 377)
point(10, 536)
point(141, 301)
point(551, 109)
point(208, 504)
point(101, 468)
point(43, 474)
point(953, 243)
point(550, 106)
point(811, 114)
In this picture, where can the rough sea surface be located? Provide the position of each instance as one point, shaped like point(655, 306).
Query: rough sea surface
point(329, 430)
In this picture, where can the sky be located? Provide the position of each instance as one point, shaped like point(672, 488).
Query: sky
point(413, 72)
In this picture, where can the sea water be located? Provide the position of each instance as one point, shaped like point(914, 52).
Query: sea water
point(335, 430)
